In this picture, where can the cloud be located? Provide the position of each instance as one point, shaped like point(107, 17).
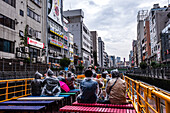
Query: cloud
point(114, 20)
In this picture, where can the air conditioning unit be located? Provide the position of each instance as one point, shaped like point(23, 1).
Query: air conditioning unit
point(33, 60)
point(23, 55)
point(18, 49)
point(26, 55)
point(18, 54)
point(26, 50)
point(38, 59)
point(38, 35)
point(30, 31)
point(55, 54)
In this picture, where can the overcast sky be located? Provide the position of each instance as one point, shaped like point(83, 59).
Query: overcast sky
point(114, 20)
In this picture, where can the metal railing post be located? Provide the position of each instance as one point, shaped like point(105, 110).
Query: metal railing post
point(146, 99)
point(25, 87)
point(6, 90)
point(167, 107)
point(138, 100)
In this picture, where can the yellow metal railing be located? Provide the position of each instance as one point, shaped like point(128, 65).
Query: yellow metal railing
point(147, 99)
point(11, 89)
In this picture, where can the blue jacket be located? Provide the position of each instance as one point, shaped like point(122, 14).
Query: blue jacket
point(88, 89)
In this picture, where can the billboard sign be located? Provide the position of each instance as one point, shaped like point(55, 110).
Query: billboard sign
point(54, 10)
point(35, 43)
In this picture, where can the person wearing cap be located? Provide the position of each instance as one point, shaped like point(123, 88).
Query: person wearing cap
point(36, 84)
point(70, 80)
point(61, 77)
point(51, 85)
point(116, 89)
point(88, 89)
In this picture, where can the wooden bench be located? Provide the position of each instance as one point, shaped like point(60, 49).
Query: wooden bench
point(73, 95)
point(83, 109)
point(48, 104)
point(41, 98)
point(22, 108)
point(125, 106)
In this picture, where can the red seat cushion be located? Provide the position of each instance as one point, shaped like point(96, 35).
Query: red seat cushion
point(125, 106)
point(95, 109)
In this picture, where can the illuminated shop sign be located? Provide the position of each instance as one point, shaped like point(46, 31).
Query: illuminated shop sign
point(56, 43)
point(65, 38)
point(65, 47)
point(55, 31)
point(35, 43)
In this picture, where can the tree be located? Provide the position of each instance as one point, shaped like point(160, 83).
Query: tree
point(153, 64)
point(143, 65)
point(64, 62)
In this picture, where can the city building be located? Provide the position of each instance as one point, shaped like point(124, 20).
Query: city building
point(131, 58)
point(146, 46)
point(71, 48)
point(21, 30)
point(106, 59)
point(111, 61)
point(101, 49)
point(158, 18)
point(95, 46)
point(142, 14)
point(57, 32)
point(82, 36)
point(165, 44)
point(135, 55)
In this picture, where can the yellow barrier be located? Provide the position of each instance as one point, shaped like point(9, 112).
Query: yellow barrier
point(10, 89)
point(146, 99)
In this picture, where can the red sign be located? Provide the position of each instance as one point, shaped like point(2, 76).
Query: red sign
point(35, 43)
point(65, 37)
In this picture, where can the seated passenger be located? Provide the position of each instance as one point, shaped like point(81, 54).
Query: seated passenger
point(51, 85)
point(88, 89)
point(36, 84)
point(70, 80)
point(104, 80)
point(61, 77)
point(116, 89)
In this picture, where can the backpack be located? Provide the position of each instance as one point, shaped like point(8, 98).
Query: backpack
point(64, 86)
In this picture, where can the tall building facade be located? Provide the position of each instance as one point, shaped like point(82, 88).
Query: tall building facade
point(95, 46)
point(57, 32)
point(146, 45)
point(135, 55)
point(82, 36)
point(21, 29)
point(142, 14)
point(158, 18)
point(101, 49)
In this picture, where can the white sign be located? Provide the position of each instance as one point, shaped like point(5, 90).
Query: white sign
point(35, 43)
point(55, 12)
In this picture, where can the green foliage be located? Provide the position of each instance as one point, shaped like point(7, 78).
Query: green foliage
point(27, 60)
point(154, 64)
point(143, 65)
point(81, 67)
point(64, 62)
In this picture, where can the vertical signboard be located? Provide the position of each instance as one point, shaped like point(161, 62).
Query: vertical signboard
point(54, 10)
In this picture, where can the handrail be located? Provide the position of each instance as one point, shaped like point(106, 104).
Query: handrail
point(11, 91)
point(140, 94)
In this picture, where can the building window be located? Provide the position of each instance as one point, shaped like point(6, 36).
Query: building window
point(6, 46)
point(21, 12)
point(11, 2)
point(34, 52)
point(33, 15)
point(7, 21)
point(37, 2)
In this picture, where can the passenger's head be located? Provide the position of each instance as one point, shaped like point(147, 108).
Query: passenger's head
point(94, 75)
point(61, 73)
point(50, 73)
point(88, 73)
point(38, 75)
point(115, 73)
point(90, 67)
point(69, 74)
point(104, 75)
